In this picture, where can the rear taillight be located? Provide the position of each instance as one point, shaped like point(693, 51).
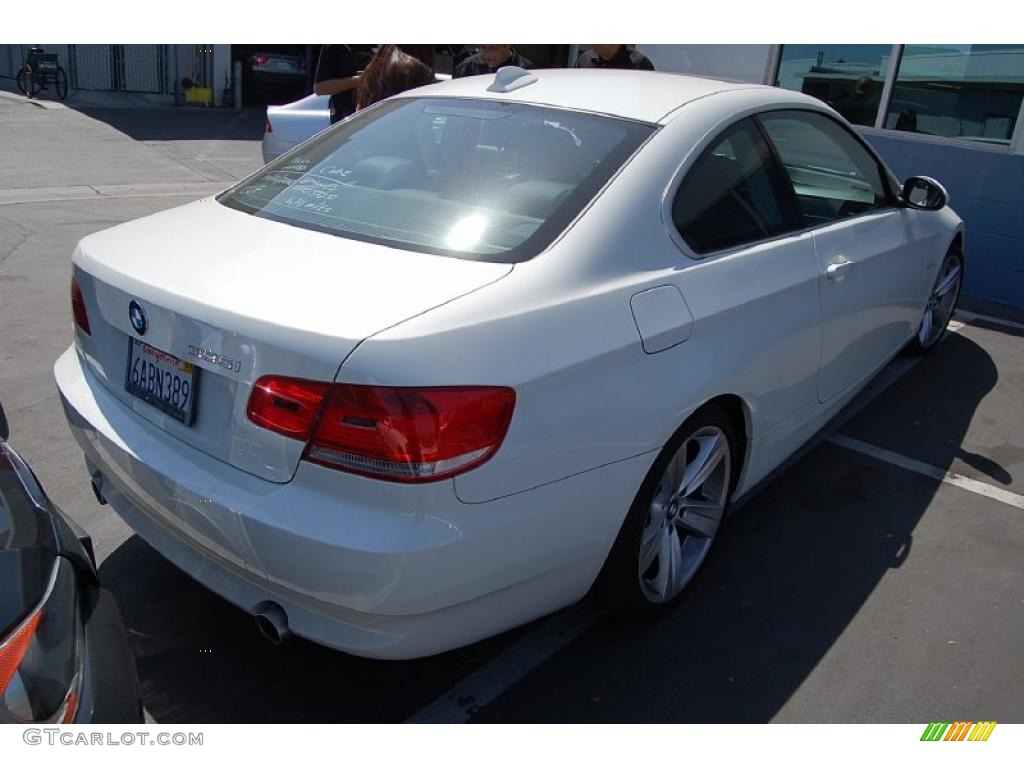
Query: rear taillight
point(403, 434)
point(41, 660)
point(78, 308)
point(268, 128)
point(259, 61)
point(287, 406)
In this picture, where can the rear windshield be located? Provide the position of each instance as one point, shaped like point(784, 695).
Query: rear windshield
point(476, 179)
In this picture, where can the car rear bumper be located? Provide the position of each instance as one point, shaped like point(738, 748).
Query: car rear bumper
point(392, 571)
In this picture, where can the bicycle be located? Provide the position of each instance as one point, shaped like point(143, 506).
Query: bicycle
point(40, 70)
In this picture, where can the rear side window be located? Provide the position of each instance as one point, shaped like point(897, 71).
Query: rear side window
point(476, 179)
point(832, 174)
point(734, 194)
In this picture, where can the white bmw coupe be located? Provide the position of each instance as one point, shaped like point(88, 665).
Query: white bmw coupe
point(436, 371)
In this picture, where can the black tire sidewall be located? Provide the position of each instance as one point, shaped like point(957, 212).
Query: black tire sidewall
point(620, 577)
point(60, 83)
point(915, 347)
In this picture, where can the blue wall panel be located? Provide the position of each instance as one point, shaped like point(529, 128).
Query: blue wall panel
point(986, 187)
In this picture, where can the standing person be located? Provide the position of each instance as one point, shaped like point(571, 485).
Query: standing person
point(491, 58)
point(336, 76)
point(613, 57)
point(859, 107)
point(391, 71)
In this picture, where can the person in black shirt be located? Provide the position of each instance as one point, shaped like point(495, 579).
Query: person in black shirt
point(490, 59)
point(336, 76)
point(859, 107)
point(613, 57)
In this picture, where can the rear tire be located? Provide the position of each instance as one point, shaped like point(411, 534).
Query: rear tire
point(674, 518)
point(941, 305)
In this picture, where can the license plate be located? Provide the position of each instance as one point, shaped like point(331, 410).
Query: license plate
point(162, 380)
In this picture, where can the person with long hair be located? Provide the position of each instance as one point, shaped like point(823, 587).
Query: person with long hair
point(393, 69)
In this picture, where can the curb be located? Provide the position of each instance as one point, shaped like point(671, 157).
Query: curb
point(20, 99)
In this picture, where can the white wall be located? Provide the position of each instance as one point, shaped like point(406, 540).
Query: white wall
point(221, 71)
point(736, 62)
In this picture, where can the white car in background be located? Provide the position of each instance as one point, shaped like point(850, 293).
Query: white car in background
point(431, 374)
point(288, 125)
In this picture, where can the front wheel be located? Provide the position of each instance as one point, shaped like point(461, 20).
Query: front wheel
point(675, 517)
point(61, 83)
point(941, 305)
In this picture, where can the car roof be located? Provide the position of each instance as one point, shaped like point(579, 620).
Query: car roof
point(636, 95)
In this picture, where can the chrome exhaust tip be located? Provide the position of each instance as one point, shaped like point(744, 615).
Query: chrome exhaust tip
point(272, 623)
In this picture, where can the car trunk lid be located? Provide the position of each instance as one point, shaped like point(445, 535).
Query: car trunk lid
point(240, 297)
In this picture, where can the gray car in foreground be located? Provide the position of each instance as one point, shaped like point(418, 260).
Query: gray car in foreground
point(64, 655)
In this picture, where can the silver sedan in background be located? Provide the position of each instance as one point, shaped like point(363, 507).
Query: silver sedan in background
point(289, 125)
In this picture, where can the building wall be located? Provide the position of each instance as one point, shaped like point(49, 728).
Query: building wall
point(735, 62)
point(985, 182)
point(153, 70)
point(986, 187)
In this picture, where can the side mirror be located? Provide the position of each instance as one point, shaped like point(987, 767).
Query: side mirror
point(924, 193)
point(5, 431)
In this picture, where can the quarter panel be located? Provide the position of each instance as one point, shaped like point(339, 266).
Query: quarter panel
point(560, 330)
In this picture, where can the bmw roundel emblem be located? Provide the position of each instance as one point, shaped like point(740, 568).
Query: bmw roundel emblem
point(138, 317)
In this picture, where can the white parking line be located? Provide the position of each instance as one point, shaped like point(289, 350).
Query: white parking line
point(899, 460)
point(968, 317)
point(555, 633)
point(510, 666)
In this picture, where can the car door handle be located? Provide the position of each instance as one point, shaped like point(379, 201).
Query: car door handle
point(839, 268)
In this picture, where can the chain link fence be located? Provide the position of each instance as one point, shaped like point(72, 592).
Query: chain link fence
point(154, 69)
point(135, 68)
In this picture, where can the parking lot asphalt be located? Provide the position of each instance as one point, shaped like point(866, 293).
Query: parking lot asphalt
point(850, 589)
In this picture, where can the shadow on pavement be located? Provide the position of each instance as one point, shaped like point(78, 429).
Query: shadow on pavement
point(186, 124)
point(201, 659)
point(926, 414)
point(786, 578)
point(789, 573)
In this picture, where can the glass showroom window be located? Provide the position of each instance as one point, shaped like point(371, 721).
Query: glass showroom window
point(961, 91)
point(849, 78)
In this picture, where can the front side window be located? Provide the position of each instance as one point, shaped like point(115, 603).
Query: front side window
point(959, 91)
point(475, 179)
point(733, 195)
point(850, 78)
point(832, 174)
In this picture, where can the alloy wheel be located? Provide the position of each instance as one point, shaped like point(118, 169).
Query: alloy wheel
point(685, 514)
point(942, 301)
